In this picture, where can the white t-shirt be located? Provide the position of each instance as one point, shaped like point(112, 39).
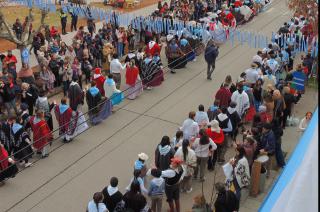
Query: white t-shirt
point(92, 207)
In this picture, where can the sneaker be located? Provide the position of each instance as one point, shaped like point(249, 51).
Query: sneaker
point(173, 72)
point(189, 191)
point(149, 88)
point(209, 78)
point(22, 163)
point(27, 165)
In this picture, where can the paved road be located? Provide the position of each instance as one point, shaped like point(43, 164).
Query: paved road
point(67, 179)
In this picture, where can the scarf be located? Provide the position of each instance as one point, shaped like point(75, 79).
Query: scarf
point(151, 44)
point(94, 91)
point(96, 76)
point(183, 42)
point(63, 108)
point(16, 127)
point(147, 60)
point(42, 99)
point(231, 110)
point(164, 150)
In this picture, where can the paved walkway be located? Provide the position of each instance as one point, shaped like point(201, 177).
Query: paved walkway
point(67, 179)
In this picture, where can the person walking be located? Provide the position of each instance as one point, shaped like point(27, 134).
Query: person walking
point(211, 53)
point(63, 20)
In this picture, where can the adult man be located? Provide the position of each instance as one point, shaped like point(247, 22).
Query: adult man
point(189, 127)
point(111, 194)
point(211, 53)
point(75, 94)
point(115, 69)
point(74, 19)
point(252, 74)
point(201, 117)
point(257, 58)
point(63, 20)
point(242, 100)
point(17, 28)
point(267, 144)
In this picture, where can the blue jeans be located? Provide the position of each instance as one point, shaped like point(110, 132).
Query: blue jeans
point(279, 154)
point(120, 49)
point(65, 87)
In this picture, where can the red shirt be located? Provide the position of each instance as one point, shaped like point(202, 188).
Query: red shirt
point(224, 95)
point(11, 60)
point(131, 75)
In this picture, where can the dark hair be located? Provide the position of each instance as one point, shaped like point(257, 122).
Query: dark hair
point(204, 139)
point(110, 76)
point(216, 102)
point(241, 151)
point(64, 100)
point(165, 141)
point(256, 119)
point(201, 108)
point(114, 181)
point(93, 83)
point(135, 187)
point(115, 56)
point(223, 110)
point(97, 198)
point(136, 173)
point(156, 172)
point(185, 145)
point(179, 134)
point(192, 114)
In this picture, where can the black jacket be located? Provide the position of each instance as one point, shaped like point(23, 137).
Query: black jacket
point(226, 202)
point(111, 201)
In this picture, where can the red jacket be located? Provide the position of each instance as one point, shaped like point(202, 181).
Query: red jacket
point(132, 75)
point(217, 138)
point(154, 50)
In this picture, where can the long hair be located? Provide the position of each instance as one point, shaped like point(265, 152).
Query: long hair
point(185, 145)
point(97, 198)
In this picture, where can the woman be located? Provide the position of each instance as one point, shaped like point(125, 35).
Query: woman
point(201, 147)
point(305, 122)
point(188, 156)
point(26, 74)
point(289, 100)
point(187, 49)
point(66, 73)
point(216, 134)
point(176, 58)
point(133, 82)
point(43, 104)
point(151, 73)
point(76, 71)
point(257, 94)
point(29, 96)
point(120, 44)
point(241, 172)
point(22, 150)
point(41, 133)
point(232, 86)
point(163, 154)
point(133, 199)
point(177, 140)
point(137, 176)
point(48, 78)
point(96, 205)
point(111, 92)
point(8, 168)
point(250, 146)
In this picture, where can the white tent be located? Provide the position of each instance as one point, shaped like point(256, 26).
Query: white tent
point(297, 187)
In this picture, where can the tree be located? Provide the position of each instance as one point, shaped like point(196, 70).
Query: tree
point(7, 33)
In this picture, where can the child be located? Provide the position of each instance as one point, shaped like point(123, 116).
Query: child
point(140, 164)
point(156, 190)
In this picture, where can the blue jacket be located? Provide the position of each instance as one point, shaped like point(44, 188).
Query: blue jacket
point(211, 53)
point(156, 187)
point(268, 142)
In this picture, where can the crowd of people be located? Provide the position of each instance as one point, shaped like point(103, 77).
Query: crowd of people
point(257, 105)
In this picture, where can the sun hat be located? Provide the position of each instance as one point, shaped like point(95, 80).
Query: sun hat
point(143, 156)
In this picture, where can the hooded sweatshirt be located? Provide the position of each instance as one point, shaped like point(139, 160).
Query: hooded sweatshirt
point(163, 156)
point(156, 187)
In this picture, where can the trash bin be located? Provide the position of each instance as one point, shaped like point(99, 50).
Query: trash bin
point(262, 181)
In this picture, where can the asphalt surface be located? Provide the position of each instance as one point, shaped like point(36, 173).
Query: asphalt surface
point(67, 179)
